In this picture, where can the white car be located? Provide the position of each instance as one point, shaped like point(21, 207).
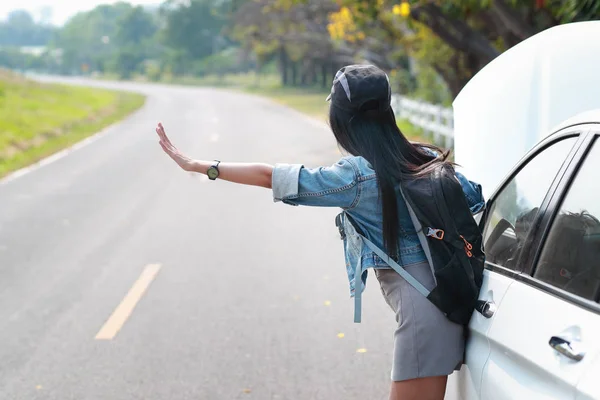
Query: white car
point(537, 335)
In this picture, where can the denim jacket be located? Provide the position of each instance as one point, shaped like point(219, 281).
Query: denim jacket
point(351, 184)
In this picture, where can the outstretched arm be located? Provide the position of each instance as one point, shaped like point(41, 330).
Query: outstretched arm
point(335, 186)
point(243, 173)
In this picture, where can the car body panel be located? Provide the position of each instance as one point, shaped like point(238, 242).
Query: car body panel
point(522, 364)
point(522, 95)
point(467, 382)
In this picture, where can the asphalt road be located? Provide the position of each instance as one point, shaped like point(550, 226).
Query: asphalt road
point(243, 299)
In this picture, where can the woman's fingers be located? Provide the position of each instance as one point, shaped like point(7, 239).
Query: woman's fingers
point(163, 134)
point(167, 146)
point(164, 140)
point(169, 149)
point(172, 152)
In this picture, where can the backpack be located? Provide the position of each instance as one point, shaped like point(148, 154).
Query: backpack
point(450, 238)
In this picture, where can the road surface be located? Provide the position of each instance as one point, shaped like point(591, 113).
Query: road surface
point(123, 277)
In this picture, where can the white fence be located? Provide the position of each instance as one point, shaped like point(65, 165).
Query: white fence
point(435, 120)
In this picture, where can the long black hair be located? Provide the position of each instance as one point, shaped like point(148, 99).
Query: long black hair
point(374, 135)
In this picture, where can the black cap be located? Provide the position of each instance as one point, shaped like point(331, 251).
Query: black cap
point(361, 88)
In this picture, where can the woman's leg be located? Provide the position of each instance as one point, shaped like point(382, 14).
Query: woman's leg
point(431, 388)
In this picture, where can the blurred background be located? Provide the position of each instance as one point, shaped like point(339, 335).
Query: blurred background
point(288, 50)
point(430, 48)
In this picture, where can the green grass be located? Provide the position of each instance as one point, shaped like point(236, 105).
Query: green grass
point(412, 133)
point(310, 101)
point(239, 81)
point(37, 120)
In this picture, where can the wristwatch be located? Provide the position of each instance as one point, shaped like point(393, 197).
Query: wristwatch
point(213, 171)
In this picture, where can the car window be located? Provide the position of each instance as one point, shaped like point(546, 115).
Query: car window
point(516, 206)
point(570, 258)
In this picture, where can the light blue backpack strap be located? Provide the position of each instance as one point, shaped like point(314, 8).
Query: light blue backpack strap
point(408, 277)
point(420, 234)
point(358, 291)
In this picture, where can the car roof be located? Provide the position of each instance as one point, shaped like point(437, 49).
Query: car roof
point(584, 118)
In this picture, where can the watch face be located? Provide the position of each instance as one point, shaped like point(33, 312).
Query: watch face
point(212, 173)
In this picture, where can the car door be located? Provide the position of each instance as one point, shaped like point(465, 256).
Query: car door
point(537, 173)
point(466, 383)
point(547, 331)
point(588, 388)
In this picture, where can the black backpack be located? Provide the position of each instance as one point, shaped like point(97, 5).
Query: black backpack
point(451, 239)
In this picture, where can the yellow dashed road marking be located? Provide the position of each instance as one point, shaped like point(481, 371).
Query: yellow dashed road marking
point(124, 310)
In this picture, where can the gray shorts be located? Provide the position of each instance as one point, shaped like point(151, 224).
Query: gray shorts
point(426, 343)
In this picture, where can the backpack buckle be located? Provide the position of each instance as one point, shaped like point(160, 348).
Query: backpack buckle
point(340, 226)
point(435, 233)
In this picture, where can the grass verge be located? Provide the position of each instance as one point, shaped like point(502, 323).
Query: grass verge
point(306, 100)
point(412, 132)
point(37, 119)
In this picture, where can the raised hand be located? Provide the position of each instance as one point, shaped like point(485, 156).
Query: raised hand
point(182, 160)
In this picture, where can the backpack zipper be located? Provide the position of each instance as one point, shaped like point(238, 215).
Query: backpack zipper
point(468, 247)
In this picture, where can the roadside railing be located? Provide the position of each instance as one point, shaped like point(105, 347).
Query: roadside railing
point(435, 120)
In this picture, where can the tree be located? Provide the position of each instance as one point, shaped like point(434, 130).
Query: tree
point(20, 29)
point(88, 39)
point(293, 34)
point(192, 27)
point(458, 38)
point(136, 26)
point(135, 38)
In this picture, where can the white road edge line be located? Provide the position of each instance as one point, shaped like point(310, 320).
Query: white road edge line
point(64, 152)
point(54, 157)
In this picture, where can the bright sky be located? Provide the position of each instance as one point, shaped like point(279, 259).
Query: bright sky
point(61, 9)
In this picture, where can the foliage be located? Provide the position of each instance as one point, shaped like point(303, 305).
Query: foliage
point(430, 48)
point(20, 29)
point(88, 39)
point(38, 119)
point(453, 38)
point(193, 27)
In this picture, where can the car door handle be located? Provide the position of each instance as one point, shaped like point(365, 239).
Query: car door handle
point(566, 348)
point(486, 308)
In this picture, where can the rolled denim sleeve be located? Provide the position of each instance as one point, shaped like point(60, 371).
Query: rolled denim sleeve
point(335, 186)
point(472, 192)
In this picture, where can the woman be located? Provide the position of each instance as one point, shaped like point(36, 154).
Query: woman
point(427, 346)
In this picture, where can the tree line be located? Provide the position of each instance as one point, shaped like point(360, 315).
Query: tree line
point(430, 48)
